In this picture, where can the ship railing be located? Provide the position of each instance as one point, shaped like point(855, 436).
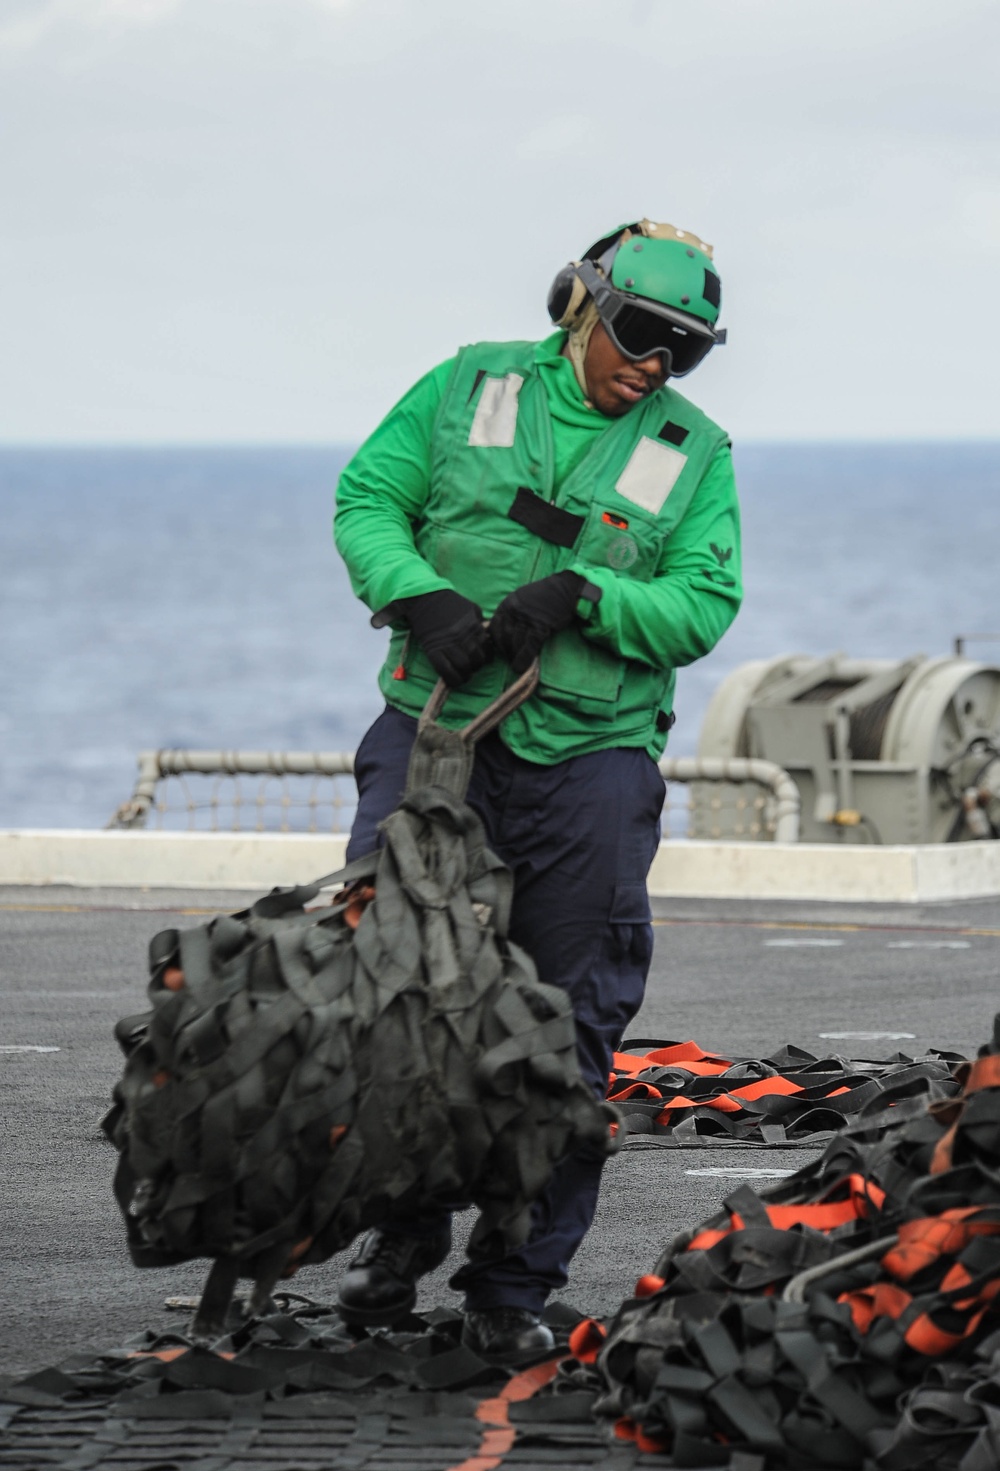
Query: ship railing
point(312, 792)
point(739, 798)
point(241, 791)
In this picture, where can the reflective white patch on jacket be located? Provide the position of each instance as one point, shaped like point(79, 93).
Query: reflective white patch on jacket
point(652, 471)
point(495, 422)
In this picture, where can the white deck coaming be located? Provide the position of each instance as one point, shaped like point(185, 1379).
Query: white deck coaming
point(709, 870)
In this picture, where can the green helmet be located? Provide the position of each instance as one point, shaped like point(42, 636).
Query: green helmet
point(656, 291)
point(668, 266)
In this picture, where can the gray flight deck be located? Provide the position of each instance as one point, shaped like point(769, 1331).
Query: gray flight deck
point(739, 978)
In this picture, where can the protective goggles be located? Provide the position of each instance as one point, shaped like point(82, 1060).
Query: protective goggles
point(640, 330)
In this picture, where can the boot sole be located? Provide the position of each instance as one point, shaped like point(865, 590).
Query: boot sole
point(377, 1317)
point(514, 1358)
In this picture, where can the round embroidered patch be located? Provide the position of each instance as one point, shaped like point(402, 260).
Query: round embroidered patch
point(622, 552)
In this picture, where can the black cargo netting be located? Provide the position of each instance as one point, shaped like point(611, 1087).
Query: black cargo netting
point(675, 1095)
point(304, 1074)
point(726, 1358)
point(294, 1391)
point(848, 1318)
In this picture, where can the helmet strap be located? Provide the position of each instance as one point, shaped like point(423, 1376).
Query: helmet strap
point(579, 340)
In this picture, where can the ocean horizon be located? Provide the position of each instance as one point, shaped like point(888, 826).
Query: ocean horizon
point(191, 596)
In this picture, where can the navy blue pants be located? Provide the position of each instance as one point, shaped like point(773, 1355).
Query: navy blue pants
point(579, 837)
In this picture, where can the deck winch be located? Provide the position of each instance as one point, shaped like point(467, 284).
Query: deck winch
point(882, 750)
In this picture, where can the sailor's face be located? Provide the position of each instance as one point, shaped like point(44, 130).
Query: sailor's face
point(616, 384)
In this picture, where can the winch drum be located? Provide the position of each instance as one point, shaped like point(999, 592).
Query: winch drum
point(882, 750)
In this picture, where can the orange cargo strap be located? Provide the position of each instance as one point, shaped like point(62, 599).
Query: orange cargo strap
point(922, 1241)
point(984, 1072)
point(821, 1216)
point(632, 1090)
point(882, 1300)
point(733, 1102)
point(688, 1054)
point(587, 1340)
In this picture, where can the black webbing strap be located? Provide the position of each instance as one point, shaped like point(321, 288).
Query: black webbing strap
point(217, 1294)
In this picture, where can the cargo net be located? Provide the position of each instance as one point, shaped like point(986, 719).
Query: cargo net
point(242, 791)
point(304, 1073)
point(676, 1095)
point(291, 1385)
point(293, 1390)
point(848, 1318)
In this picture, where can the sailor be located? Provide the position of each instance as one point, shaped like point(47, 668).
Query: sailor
point(561, 500)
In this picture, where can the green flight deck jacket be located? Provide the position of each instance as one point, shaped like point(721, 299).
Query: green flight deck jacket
point(494, 471)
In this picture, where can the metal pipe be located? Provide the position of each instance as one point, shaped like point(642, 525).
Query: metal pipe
point(254, 763)
point(739, 769)
point(796, 1288)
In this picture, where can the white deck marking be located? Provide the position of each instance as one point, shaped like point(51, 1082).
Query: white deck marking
point(789, 944)
point(25, 1047)
point(867, 1036)
point(122, 995)
point(928, 945)
point(729, 1172)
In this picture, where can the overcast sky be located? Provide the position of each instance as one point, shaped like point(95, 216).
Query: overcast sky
point(261, 220)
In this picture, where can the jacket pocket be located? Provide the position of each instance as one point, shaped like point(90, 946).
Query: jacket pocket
point(580, 674)
point(622, 538)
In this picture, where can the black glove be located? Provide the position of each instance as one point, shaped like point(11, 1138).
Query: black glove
point(531, 614)
point(450, 630)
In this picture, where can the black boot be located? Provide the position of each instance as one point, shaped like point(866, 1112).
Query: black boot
point(380, 1285)
point(507, 1335)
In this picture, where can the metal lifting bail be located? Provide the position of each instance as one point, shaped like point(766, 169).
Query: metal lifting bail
point(443, 757)
point(505, 704)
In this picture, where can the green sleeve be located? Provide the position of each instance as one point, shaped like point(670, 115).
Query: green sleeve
point(380, 497)
point(683, 612)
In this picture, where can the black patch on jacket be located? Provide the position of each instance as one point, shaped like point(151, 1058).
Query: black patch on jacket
point(549, 522)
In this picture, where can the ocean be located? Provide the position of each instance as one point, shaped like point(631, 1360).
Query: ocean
point(193, 597)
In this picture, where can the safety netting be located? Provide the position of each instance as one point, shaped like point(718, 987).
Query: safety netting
point(677, 1095)
point(293, 1390)
point(308, 1068)
point(847, 1318)
point(305, 1071)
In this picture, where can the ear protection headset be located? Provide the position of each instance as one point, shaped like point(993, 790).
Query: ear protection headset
point(568, 295)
